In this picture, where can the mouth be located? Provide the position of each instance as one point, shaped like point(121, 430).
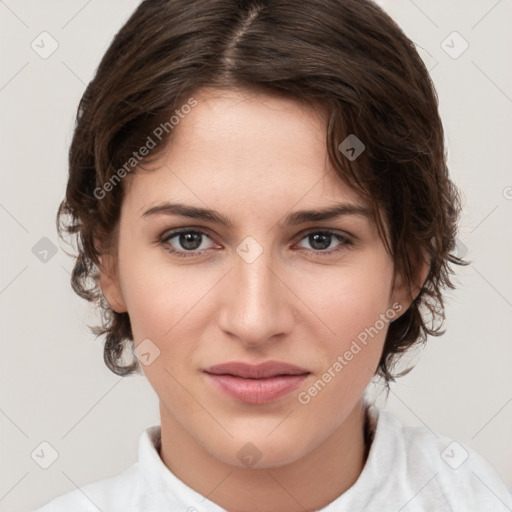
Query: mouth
point(256, 384)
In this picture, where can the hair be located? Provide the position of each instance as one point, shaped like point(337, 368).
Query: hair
point(345, 57)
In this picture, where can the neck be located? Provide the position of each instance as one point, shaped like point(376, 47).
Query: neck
point(307, 484)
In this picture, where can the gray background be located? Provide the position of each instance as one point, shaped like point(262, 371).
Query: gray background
point(54, 386)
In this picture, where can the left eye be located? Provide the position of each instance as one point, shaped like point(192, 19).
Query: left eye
point(191, 242)
point(321, 240)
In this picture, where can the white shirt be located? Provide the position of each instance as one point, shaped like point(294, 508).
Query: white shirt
point(408, 469)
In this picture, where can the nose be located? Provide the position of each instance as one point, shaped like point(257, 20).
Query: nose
point(258, 303)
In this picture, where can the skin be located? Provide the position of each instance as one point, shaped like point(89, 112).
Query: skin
point(254, 158)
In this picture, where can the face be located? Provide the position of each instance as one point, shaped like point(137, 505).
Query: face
point(264, 285)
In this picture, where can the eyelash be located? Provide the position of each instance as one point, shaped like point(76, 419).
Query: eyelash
point(164, 240)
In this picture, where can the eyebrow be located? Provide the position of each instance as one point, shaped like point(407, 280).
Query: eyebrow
point(292, 219)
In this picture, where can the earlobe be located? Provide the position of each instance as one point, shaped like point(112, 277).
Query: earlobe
point(404, 293)
point(109, 284)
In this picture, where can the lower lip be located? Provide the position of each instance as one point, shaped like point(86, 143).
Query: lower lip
point(256, 391)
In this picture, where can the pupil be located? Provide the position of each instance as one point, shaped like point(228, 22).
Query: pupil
point(189, 240)
point(324, 239)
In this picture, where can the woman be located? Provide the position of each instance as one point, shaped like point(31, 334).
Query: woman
point(264, 211)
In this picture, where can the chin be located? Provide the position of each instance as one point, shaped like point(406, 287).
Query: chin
point(261, 452)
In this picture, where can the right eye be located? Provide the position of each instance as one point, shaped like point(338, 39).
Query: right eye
point(187, 242)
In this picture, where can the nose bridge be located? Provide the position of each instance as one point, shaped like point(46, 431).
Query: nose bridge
point(256, 308)
point(257, 283)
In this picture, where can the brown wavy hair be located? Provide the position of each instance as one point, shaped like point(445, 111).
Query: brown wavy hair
point(347, 57)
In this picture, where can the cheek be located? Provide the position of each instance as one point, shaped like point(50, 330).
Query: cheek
point(165, 305)
point(352, 307)
point(357, 313)
point(156, 295)
point(350, 299)
point(159, 310)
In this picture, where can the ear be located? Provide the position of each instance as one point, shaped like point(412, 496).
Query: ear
point(109, 283)
point(404, 293)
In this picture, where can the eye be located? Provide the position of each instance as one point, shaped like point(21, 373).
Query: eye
point(320, 241)
point(187, 241)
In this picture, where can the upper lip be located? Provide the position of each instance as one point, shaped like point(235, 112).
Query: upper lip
point(256, 371)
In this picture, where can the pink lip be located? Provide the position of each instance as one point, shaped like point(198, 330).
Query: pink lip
point(256, 384)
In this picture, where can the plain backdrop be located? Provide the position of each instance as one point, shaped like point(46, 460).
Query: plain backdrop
point(54, 385)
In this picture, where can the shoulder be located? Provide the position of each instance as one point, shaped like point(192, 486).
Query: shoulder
point(112, 494)
point(120, 493)
point(431, 463)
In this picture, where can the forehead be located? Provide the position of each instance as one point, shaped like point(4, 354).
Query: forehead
point(250, 149)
